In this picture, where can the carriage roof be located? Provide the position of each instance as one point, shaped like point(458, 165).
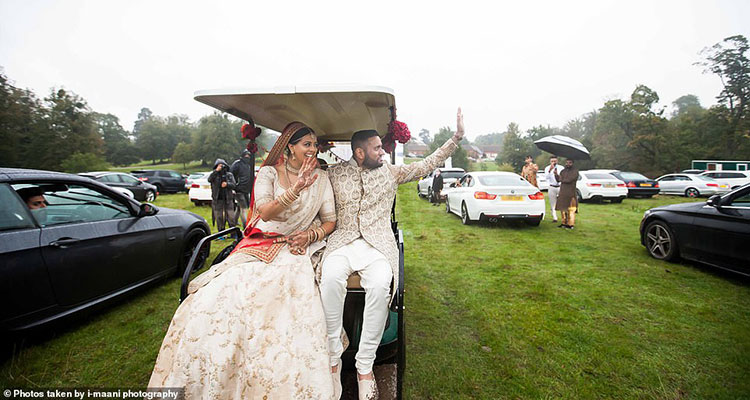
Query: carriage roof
point(333, 112)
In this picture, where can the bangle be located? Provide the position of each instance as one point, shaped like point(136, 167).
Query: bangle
point(287, 198)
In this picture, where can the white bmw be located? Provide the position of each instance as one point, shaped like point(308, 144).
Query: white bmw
point(493, 196)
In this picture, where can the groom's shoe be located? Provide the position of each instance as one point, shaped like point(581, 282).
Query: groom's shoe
point(368, 389)
point(337, 381)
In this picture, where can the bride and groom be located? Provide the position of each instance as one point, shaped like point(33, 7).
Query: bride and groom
point(257, 325)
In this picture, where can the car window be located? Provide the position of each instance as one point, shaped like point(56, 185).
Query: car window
point(452, 174)
point(632, 176)
point(666, 179)
point(742, 201)
point(175, 175)
point(163, 174)
point(703, 178)
point(501, 180)
point(107, 178)
point(69, 204)
point(13, 214)
point(599, 176)
point(128, 179)
point(733, 175)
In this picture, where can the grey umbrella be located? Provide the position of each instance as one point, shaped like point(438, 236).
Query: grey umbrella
point(563, 146)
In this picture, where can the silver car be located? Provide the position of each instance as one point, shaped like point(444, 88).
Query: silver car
point(691, 185)
point(450, 175)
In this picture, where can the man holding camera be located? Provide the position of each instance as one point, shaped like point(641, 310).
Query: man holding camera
point(222, 194)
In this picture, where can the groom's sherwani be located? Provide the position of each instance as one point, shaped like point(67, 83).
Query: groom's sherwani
point(364, 198)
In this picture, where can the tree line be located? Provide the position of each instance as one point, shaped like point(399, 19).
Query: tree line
point(635, 134)
point(60, 132)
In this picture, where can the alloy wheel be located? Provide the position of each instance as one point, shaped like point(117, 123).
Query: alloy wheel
point(465, 215)
point(150, 196)
point(659, 241)
point(692, 192)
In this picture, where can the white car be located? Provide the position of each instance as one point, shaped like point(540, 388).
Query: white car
point(735, 179)
point(691, 185)
point(450, 175)
point(600, 185)
point(200, 190)
point(193, 176)
point(494, 195)
point(541, 180)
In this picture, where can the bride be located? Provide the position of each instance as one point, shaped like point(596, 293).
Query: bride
point(253, 326)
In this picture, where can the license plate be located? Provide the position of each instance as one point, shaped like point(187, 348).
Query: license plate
point(609, 185)
point(646, 184)
point(723, 186)
point(511, 198)
point(205, 186)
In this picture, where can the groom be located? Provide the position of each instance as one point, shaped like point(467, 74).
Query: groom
point(363, 242)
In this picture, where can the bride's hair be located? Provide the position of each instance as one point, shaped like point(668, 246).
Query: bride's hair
point(297, 137)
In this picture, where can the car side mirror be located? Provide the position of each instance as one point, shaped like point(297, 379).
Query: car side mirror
point(147, 210)
point(714, 201)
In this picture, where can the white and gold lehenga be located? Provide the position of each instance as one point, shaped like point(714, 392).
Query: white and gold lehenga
point(252, 329)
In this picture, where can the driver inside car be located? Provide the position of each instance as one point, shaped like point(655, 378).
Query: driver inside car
point(33, 196)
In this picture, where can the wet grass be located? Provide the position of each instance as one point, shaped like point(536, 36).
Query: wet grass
point(493, 312)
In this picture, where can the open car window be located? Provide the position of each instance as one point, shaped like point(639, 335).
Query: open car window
point(13, 213)
point(67, 204)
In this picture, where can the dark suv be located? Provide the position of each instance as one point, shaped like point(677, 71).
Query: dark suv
point(166, 181)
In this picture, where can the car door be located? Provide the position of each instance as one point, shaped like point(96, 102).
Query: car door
point(722, 234)
point(25, 287)
point(460, 192)
point(134, 185)
point(93, 246)
point(666, 184)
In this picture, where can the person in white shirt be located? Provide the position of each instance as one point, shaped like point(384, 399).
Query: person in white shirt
point(554, 185)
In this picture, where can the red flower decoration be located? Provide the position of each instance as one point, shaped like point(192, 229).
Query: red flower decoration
point(250, 131)
point(399, 131)
point(252, 147)
point(389, 144)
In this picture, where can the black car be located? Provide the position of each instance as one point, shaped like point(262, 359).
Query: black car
point(141, 190)
point(165, 180)
point(715, 232)
point(89, 245)
point(637, 184)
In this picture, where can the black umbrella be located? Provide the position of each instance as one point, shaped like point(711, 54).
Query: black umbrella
point(563, 146)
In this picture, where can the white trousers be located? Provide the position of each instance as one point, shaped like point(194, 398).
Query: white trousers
point(375, 277)
point(552, 193)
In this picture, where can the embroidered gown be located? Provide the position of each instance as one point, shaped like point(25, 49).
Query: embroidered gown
point(251, 329)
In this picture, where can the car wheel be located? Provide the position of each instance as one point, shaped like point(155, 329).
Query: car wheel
point(191, 241)
point(447, 206)
point(419, 193)
point(197, 203)
point(150, 196)
point(617, 200)
point(429, 195)
point(578, 196)
point(465, 219)
point(660, 241)
point(692, 192)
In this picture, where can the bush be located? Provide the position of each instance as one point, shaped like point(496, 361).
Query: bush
point(505, 167)
point(83, 162)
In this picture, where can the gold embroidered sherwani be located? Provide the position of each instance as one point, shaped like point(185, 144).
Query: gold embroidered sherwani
point(364, 198)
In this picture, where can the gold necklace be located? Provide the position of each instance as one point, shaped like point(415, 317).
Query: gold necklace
point(288, 168)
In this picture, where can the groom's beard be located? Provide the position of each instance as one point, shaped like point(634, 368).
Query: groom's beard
point(372, 163)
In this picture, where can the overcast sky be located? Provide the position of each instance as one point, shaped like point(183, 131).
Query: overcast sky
point(533, 62)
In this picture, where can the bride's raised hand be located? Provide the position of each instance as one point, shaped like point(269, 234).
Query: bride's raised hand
point(305, 177)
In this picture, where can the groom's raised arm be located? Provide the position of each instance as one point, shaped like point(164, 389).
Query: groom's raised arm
point(413, 171)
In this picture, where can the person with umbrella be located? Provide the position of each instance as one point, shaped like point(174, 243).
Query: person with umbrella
point(566, 199)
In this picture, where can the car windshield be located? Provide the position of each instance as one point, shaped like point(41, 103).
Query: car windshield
point(452, 174)
point(632, 176)
point(599, 176)
point(501, 180)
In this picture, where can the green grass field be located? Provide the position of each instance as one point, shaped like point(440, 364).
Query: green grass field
point(492, 312)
